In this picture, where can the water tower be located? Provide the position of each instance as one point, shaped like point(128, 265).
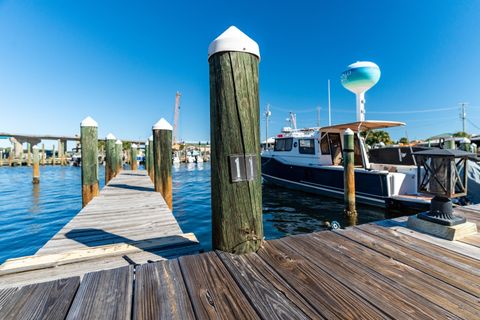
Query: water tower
point(358, 78)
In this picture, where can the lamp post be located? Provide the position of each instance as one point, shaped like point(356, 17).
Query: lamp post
point(443, 174)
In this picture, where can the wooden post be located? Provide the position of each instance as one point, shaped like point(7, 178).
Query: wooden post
point(146, 156)
point(235, 133)
point(1, 158)
point(151, 168)
point(349, 173)
point(119, 153)
point(110, 157)
point(53, 154)
point(10, 157)
point(89, 142)
point(450, 143)
point(44, 156)
point(29, 155)
point(60, 152)
point(162, 159)
point(133, 156)
point(36, 166)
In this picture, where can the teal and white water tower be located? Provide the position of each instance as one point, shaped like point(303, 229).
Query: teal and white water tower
point(358, 78)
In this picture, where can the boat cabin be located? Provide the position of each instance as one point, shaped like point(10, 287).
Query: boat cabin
point(323, 146)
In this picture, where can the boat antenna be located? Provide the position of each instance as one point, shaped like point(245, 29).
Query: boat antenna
point(329, 109)
point(267, 115)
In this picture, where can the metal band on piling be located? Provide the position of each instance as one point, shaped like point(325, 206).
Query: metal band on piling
point(349, 173)
point(162, 159)
point(89, 142)
point(235, 151)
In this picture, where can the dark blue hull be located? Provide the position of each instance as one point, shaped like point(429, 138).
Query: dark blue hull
point(370, 187)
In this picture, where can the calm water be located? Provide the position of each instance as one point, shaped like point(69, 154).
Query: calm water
point(31, 214)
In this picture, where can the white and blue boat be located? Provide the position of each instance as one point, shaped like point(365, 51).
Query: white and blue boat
point(311, 160)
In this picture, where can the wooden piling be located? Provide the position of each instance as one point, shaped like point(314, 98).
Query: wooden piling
point(146, 156)
point(44, 156)
point(1, 158)
point(119, 154)
point(450, 143)
point(88, 140)
point(110, 158)
point(133, 156)
point(53, 154)
point(151, 168)
point(162, 159)
point(349, 173)
point(36, 165)
point(235, 151)
point(29, 155)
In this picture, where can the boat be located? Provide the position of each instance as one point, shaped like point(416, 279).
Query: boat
point(311, 160)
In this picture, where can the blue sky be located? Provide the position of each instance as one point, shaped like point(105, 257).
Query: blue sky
point(122, 63)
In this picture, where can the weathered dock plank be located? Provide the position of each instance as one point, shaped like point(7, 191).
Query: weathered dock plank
point(128, 223)
point(373, 271)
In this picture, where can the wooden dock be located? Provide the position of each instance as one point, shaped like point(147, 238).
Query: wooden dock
point(373, 271)
point(128, 223)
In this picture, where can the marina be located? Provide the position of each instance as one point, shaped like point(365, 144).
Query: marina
point(109, 210)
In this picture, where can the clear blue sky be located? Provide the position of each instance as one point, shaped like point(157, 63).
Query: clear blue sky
point(121, 62)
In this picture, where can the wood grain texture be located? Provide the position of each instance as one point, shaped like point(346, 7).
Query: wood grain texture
point(326, 294)
point(213, 292)
point(90, 187)
point(160, 292)
point(235, 129)
point(48, 300)
point(397, 301)
point(268, 293)
point(162, 162)
point(445, 272)
point(104, 295)
point(456, 301)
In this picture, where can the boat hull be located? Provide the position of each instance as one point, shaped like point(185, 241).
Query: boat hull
point(370, 187)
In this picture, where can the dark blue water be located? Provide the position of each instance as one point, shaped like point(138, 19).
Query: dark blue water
point(31, 214)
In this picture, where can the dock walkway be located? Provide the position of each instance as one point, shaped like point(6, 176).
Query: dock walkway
point(128, 223)
point(373, 271)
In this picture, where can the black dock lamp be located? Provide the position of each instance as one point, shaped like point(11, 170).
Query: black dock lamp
point(443, 174)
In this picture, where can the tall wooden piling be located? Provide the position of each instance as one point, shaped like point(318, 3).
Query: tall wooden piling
point(349, 173)
point(162, 159)
point(36, 165)
point(110, 157)
point(1, 158)
point(89, 142)
point(133, 156)
point(151, 168)
point(44, 156)
point(235, 135)
point(119, 154)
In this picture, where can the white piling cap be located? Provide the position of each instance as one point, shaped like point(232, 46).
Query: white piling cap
point(88, 122)
point(147, 142)
point(162, 124)
point(349, 132)
point(118, 141)
point(134, 145)
point(110, 136)
point(150, 138)
point(233, 39)
point(35, 147)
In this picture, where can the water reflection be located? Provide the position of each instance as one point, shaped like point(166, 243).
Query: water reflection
point(35, 208)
